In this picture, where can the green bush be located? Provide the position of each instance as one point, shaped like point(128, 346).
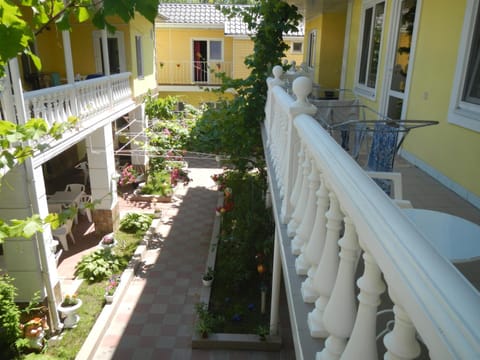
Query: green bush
point(134, 223)
point(9, 318)
point(158, 183)
point(99, 265)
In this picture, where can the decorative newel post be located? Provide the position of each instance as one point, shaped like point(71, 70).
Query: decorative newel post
point(362, 343)
point(324, 279)
point(339, 315)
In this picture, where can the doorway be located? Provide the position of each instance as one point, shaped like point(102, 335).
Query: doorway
point(400, 52)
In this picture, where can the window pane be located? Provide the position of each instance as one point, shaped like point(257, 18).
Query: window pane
point(471, 91)
point(376, 37)
point(215, 50)
point(365, 45)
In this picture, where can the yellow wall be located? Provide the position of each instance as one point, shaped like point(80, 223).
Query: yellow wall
point(193, 98)
point(175, 46)
point(241, 49)
point(140, 26)
point(331, 50)
point(449, 149)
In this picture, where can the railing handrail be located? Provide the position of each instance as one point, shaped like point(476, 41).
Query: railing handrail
point(442, 305)
point(401, 251)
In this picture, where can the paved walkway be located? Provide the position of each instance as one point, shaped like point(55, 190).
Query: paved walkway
point(155, 317)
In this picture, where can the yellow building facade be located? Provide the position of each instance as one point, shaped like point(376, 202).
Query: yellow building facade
point(414, 70)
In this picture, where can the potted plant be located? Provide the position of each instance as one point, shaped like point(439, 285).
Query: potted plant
point(112, 285)
point(262, 331)
point(108, 241)
point(205, 320)
point(207, 278)
point(69, 307)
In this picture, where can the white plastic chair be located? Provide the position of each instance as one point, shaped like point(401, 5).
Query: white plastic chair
point(62, 232)
point(83, 166)
point(75, 187)
point(83, 208)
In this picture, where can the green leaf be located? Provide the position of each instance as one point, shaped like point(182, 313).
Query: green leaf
point(83, 14)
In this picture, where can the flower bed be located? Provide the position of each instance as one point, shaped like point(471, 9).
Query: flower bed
point(240, 255)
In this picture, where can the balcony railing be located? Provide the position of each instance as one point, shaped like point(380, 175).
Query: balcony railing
point(333, 221)
point(83, 99)
point(192, 72)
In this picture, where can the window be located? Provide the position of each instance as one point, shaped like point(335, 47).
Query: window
point(465, 101)
point(297, 46)
point(370, 45)
point(139, 52)
point(312, 38)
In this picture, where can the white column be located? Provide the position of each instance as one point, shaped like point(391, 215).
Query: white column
point(300, 242)
point(67, 52)
point(276, 278)
point(401, 343)
point(299, 210)
point(314, 249)
point(339, 315)
point(324, 278)
point(362, 343)
point(101, 163)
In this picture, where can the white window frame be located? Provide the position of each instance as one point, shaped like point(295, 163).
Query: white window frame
point(139, 56)
point(208, 48)
point(460, 112)
point(311, 47)
point(364, 89)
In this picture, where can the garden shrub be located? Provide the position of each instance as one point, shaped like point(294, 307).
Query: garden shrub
point(158, 183)
point(99, 265)
point(134, 223)
point(9, 318)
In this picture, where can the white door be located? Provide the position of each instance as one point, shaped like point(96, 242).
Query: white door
point(116, 52)
point(400, 53)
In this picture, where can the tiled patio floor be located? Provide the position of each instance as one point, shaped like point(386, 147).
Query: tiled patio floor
point(155, 318)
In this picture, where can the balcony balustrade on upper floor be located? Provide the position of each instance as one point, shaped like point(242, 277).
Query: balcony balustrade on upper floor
point(341, 243)
point(192, 72)
point(83, 99)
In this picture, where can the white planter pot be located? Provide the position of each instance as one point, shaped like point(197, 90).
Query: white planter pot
point(71, 316)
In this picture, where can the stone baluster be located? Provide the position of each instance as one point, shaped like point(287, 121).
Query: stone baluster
point(324, 278)
point(289, 202)
point(299, 211)
point(339, 315)
point(401, 342)
point(314, 249)
point(305, 228)
point(362, 343)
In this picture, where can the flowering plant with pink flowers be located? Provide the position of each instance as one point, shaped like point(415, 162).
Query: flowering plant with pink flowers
point(128, 175)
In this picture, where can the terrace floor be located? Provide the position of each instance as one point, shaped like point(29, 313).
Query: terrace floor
point(155, 318)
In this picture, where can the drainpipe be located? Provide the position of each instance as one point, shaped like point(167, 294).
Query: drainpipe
point(21, 119)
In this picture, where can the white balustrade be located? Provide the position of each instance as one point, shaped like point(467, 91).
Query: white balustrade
point(299, 206)
point(300, 241)
point(432, 300)
point(83, 99)
point(324, 278)
point(339, 315)
point(313, 251)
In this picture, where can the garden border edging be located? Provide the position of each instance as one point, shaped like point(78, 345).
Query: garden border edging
point(222, 340)
point(93, 339)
